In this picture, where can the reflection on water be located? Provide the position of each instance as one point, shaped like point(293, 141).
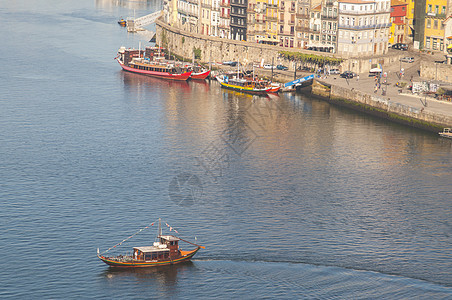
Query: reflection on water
point(164, 275)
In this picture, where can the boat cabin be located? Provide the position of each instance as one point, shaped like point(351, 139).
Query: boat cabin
point(172, 243)
point(166, 248)
point(150, 253)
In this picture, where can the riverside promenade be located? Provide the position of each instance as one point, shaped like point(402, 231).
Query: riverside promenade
point(390, 101)
point(367, 85)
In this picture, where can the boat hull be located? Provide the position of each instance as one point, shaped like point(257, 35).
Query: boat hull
point(243, 89)
point(186, 256)
point(163, 75)
point(200, 75)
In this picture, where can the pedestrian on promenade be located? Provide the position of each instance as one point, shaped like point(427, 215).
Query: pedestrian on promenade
point(376, 89)
point(357, 77)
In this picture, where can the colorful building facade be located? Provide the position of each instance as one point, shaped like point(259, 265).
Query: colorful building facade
point(398, 21)
point(436, 14)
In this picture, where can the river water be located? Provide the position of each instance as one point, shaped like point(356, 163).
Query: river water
point(292, 197)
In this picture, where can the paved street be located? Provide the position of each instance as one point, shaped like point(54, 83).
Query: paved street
point(411, 71)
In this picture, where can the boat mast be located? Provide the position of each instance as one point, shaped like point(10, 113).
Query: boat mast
point(160, 227)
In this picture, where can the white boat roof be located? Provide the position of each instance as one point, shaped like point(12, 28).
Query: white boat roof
point(147, 249)
point(170, 238)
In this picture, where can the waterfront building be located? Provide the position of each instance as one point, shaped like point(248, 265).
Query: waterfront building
point(448, 38)
point(436, 12)
point(188, 15)
point(225, 19)
point(205, 17)
point(170, 14)
point(419, 24)
point(303, 8)
point(215, 18)
point(398, 27)
point(260, 19)
point(272, 22)
point(409, 21)
point(363, 27)
point(330, 12)
point(315, 25)
point(251, 21)
point(286, 24)
point(238, 22)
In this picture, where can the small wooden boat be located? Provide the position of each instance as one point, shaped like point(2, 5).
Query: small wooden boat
point(135, 61)
point(203, 74)
point(163, 252)
point(447, 133)
point(245, 85)
point(122, 22)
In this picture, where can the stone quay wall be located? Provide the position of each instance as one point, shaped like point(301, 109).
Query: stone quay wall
point(214, 49)
point(380, 107)
point(435, 71)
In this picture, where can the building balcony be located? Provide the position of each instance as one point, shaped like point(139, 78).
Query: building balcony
point(362, 12)
point(302, 28)
point(233, 24)
point(291, 22)
point(281, 21)
point(237, 15)
point(286, 33)
point(193, 1)
point(302, 16)
point(329, 3)
point(356, 27)
point(224, 4)
point(326, 17)
point(434, 15)
point(238, 4)
point(272, 19)
point(225, 16)
point(205, 5)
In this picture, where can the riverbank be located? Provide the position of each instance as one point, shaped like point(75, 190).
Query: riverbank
point(423, 113)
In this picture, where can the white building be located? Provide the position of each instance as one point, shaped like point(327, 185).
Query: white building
point(363, 27)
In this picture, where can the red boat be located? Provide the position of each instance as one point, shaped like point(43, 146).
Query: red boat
point(200, 75)
point(135, 61)
point(165, 251)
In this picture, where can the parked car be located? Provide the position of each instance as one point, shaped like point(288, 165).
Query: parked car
point(230, 63)
point(347, 74)
point(335, 71)
point(268, 66)
point(281, 67)
point(400, 46)
point(407, 59)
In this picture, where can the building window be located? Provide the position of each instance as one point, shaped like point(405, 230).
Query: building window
point(429, 23)
point(435, 24)
point(444, 10)
point(434, 44)
point(427, 42)
point(429, 8)
point(436, 9)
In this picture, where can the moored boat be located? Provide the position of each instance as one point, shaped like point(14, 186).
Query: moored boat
point(447, 133)
point(165, 251)
point(245, 85)
point(122, 22)
point(203, 74)
point(135, 61)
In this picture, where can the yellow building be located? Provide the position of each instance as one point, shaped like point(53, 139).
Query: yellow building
point(272, 22)
point(436, 13)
